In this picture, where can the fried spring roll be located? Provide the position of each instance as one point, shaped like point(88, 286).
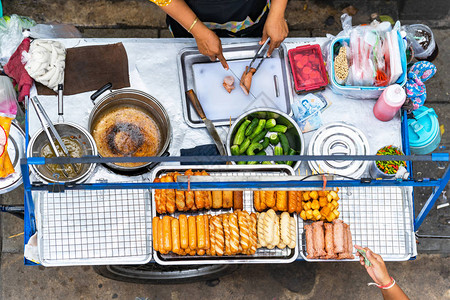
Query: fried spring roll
point(212, 236)
point(269, 198)
point(238, 200)
point(227, 234)
point(170, 194)
point(157, 197)
point(319, 238)
point(162, 197)
point(347, 246)
point(299, 202)
point(208, 194)
point(180, 198)
point(199, 195)
point(350, 242)
point(338, 236)
point(227, 199)
point(281, 201)
point(292, 201)
point(262, 196)
point(155, 222)
point(216, 199)
point(256, 201)
point(234, 232)
point(329, 245)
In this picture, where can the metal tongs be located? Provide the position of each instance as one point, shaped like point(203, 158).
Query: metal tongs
point(258, 55)
point(46, 125)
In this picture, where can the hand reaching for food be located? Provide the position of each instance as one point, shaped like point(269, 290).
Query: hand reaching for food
point(377, 269)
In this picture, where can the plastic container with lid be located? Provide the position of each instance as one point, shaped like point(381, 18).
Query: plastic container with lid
point(308, 68)
point(389, 103)
point(424, 131)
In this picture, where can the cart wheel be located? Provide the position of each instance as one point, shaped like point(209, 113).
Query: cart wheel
point(156, 274)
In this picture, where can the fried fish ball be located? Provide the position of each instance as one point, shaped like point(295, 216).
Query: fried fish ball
point(314, 195)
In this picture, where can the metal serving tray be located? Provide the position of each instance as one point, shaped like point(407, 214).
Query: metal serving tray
point(190, 56)
point(94, 227)
point(380, 218)
point(262, 255)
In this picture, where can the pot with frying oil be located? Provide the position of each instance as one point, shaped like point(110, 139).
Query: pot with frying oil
point(75, 150)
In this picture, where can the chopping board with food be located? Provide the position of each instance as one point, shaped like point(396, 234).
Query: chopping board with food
point(219, 104)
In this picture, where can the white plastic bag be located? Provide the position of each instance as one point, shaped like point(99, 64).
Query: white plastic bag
point(11, 35)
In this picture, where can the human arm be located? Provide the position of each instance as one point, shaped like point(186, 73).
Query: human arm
point(208, 42)
point(379, 273)
point(275, 27)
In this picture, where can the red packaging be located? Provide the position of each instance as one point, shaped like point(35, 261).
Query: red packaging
point(308, 68)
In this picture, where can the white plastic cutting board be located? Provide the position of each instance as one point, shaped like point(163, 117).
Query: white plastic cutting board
point(218, 104)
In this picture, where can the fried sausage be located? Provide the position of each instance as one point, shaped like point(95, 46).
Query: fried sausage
point(292, 201)
point(170, 194)
point(184, 232)
point(309, 242)
point(338, 236)
point(281, 200)
point(254, 240)
point(329, 245)
point(238, 200)
point(227, 199)
point(192, 229)
point(201, 237)
point(189, 194)
point(180, 198)
point(269, 198)
point(244, 230)
point(162, 197)
point(293, 233)
point(161, 237)
point(234, 233)
point(167, 233)
point(216, 199)
point(299, 202)
point(319, 238)
point(175, 236)
point(207, 238)
point(285, 227)
point(155, 233)
point(212, 236)
point(227, 233)
point(158, 197)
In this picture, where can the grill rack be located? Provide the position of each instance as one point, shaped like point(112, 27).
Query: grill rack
point(262, 255)
point(94, 227)
point(380, 218)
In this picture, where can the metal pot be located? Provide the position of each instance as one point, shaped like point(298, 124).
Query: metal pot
point(144, 101)
point(85, 140)
point(293, 133)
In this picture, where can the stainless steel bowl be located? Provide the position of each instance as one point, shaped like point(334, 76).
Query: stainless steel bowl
point(293, 133)
point(86, 141)
point(144, 101)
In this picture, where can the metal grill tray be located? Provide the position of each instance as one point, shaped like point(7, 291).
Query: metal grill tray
point(379, 217)
point(262, 255)
point(94, 227)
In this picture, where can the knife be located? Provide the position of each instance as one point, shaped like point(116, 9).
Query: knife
point(209, 125)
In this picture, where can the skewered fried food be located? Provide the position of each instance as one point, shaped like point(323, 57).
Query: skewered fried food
point(238, 200)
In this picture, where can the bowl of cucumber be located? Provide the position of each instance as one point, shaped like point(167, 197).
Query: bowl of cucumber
point(265, 131)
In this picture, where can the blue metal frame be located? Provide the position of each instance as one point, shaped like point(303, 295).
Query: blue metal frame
point(439, 184)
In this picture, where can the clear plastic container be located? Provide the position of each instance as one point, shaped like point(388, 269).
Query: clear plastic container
point(422, 41)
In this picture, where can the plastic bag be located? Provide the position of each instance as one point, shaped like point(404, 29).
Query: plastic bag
point(11, 34)
point(8, 110)
point(50, 31)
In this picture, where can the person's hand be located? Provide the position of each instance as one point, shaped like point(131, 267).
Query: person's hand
point(377, 271)
point(277, 29)
point(209, 44)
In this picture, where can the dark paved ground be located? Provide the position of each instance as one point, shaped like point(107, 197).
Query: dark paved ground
point(426, 277)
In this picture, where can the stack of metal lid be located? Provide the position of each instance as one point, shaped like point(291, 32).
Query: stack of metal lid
point(339, 139)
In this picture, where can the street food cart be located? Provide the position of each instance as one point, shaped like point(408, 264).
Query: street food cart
point(106, 218)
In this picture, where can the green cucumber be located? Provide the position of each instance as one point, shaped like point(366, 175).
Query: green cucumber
point(235, 150)
point(265, 143)
point(270, 123)
point(252, 162)
point(241, 162)
point(243, 147)
point(258, 129)
point(273, 139)
point(262, 152)
point(254, 147)
point(284, 143)
point(291, 152)
point(260, 136)
point(278, 128)
point(240, 134)
point(266, 163)
point(251, 127)
point(278, 151)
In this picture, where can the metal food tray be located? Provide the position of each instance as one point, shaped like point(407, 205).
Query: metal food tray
point(380, 218)
point(94, 227)
point(190, 56)
point(263, 255)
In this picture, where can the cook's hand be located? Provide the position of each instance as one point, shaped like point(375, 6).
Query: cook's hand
point(209, 44)
point(377, 271)
point(277, 29)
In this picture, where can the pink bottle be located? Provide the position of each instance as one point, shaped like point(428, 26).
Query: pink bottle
point(389, 103)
